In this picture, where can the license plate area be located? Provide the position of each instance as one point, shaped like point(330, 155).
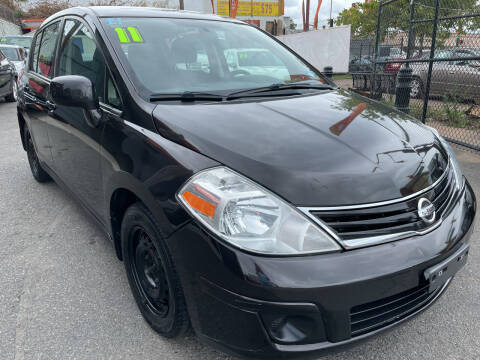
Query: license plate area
point(438, 274)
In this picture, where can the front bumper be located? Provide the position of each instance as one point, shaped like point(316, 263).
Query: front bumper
point(270, 307)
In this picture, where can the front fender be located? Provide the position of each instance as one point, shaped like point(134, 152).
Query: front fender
point(151, 167)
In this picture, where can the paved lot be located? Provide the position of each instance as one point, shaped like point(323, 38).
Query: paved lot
point(63, 293)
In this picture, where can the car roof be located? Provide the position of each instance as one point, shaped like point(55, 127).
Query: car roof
point(11, 46)
point(15, 36)
point(137, 11)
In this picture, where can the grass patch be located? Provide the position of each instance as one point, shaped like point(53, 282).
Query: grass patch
point(342, 77)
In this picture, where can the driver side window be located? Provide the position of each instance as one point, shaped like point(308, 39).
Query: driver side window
point(79, 55)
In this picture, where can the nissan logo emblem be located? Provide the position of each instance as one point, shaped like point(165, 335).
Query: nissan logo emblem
point(426, 210)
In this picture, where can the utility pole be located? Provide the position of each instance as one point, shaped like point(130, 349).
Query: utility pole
point(182, 5)
point(331, 19)
point(307, 16)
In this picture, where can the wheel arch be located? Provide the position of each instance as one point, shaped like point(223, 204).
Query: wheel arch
point(124, 190)
point(120, 200)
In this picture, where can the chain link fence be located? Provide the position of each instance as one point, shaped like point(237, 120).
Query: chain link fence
point(426, 61)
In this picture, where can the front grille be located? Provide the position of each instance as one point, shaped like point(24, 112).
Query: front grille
point(369, 317)
point(391, 219)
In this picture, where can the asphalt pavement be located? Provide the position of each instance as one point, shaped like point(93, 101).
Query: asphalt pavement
point(64, 294)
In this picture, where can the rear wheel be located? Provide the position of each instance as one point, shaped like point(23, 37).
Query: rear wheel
point(37, 171)
point(13, 96)
point(151, 273)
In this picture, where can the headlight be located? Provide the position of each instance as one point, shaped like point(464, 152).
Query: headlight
point(457, 172)
point(247, 216)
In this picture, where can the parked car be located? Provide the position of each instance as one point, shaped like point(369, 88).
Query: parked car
point(394, 66)
point(277, 218)
point(258, 62)
point(21, 40)
point(360, 65)
point(17, 56)
point(8, 79)
point(459, 77)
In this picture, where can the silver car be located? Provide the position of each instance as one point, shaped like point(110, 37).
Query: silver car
point(459, 77)
point(17, 56)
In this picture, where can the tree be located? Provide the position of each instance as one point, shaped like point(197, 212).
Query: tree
point(395, 19)
point(362, 18)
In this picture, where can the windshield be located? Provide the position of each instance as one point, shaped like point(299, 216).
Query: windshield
point(10, 53)
point(168, 56)
point(23, 41)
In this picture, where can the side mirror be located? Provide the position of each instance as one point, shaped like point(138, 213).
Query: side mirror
point(74, 90)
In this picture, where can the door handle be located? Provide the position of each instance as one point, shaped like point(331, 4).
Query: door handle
point(50, 105)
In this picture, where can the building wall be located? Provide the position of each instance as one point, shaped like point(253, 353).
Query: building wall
point(8, 28)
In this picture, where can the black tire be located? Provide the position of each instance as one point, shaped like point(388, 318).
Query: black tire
point(151, 273)
point(37, 171)
point(13, 95)
point(417, 91)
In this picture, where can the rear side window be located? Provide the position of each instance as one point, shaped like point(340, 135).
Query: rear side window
point(46, 56)
point(79, 55)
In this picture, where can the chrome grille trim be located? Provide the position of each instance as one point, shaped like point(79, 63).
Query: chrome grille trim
point(349, 244)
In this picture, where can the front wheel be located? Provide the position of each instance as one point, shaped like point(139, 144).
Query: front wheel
point(37, 171)
point(151, 273)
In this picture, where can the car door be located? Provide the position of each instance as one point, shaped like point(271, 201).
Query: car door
point(465, 77)
point(75, 143)
point(5, 75)
point(440, 78)
point(37, 104)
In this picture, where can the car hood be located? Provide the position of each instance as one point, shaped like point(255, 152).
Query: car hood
point(331, 148)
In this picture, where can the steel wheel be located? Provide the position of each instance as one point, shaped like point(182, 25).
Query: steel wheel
point(149, 273)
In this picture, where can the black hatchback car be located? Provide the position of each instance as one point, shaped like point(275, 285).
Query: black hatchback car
point(246, 194)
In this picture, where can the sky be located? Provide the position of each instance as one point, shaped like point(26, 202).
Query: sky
point(293, 8)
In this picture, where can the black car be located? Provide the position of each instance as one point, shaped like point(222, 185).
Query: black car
point(8, 79)
point(275, 213)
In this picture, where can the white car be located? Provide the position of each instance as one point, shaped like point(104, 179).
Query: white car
point(16, 55)
point(256, 62)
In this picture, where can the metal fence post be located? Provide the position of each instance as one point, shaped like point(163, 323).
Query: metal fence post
point(328, 71)
point(404, 76)
point(430, 63)
point(373, 80)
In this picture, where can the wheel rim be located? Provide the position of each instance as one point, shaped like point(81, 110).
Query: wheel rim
point(14, 90)
point(149, 273)
point(32, 155)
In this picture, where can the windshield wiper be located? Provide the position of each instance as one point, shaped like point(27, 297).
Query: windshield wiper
point(187, 96)
point(278, 87)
